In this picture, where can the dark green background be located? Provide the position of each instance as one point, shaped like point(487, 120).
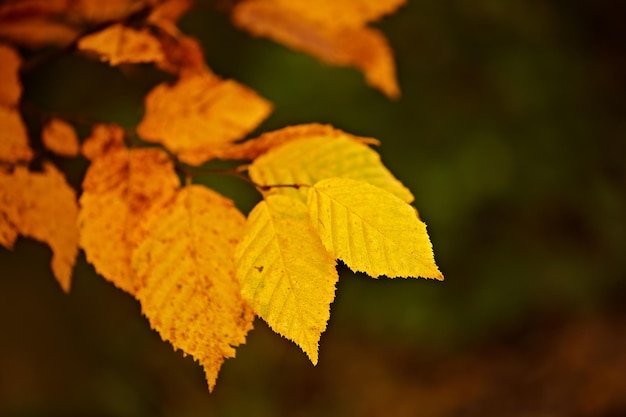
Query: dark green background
point(511, 134)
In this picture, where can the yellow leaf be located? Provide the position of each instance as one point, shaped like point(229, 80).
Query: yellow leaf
point(41, 206)
point(253, 148)
point(10, 85)
point(118, 44)
point(314, 157)
point(371, 230)
point(188, 287)
point(332, 31)
point(103, 138)
point(118, 190)
point(285, 272)
point(13, 137)
point(60, 137)
point(200, 113)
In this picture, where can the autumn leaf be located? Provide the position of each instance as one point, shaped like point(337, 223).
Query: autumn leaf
point(36, 31)
point(183, 56)
point(60, 137)
point(13, 137)
point(198, 267)
point(38, 23)
point(333, 32)
point(118, 44)
point(119, 188)
point(167, 12)
point(253, 148)
point(189, 292)
point(371, 230)
point(350, 13)
point(42, 206)
point(14, 8)
point(10, 85)
point(98, 11)
point(285, 272)
point(103, 139)
point(317, 155)
point(199, 113)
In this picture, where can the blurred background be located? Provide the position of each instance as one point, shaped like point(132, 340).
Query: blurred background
point(511, 133)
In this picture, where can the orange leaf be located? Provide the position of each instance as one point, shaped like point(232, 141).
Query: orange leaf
point(183, 56)
point(60, 137)
point(96, 11)
point(253, 148)
point(118, 44)
point(10, 86)
point(103, 139)
point(370, 229)
point(37, 31)
point(13, 137)
point(41, 206)
point(350, 13)
point(167, 12)
point(189, 291)
point(311, 157)
point(337, 38)
point(119, 188)
point(200, 113)
point(182, 53)
point(10, 10)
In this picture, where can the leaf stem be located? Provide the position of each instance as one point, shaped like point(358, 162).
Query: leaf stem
point(236, 172)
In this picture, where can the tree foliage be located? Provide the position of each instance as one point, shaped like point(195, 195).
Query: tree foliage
point(199, 268)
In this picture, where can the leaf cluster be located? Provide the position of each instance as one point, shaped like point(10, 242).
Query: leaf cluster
point(200, 269)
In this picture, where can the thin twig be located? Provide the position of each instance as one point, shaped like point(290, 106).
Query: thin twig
point(234, 172)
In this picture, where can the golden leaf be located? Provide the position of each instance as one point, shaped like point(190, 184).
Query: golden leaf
point(314, 156)
point(13, 137)
point(337, 39)
point(350, 13)
point(37, 23)
point(285, 272)
point(10, 85)
point(13, 9)
point(118, 190)
point(253, 148)
point(103, 139)
point(118, 44)
point(183, 56)
point(188, 287)
point(37, 31)
point(371, 230)
point(60, 137)
point(167, 12)
point(104, 10)
point(41, 206)
point(199, 113)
